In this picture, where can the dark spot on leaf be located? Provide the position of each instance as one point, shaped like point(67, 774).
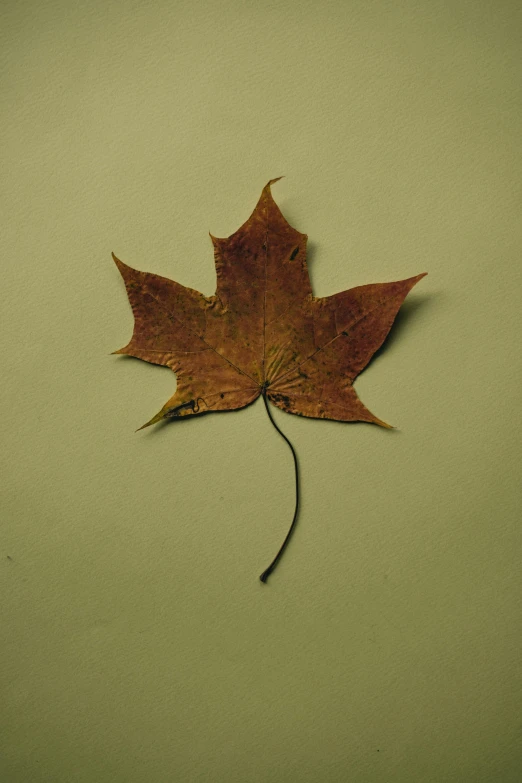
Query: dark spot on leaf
point(295, 251)
point(192, 404)
point(281, 399)
point(222, 396)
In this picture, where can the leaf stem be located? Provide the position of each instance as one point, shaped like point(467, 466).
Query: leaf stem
point(266, 573)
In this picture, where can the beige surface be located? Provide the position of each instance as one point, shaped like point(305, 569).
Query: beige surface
point(138, 644)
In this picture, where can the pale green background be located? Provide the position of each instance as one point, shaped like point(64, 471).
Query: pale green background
point(138, 644)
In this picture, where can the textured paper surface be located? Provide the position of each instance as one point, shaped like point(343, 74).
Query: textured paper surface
point(137, 642)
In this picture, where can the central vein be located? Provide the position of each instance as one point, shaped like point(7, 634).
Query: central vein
point(265, 246)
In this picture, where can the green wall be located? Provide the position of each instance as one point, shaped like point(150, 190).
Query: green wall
point(138, 645)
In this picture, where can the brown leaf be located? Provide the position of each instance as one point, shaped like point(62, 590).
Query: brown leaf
point(263, 330)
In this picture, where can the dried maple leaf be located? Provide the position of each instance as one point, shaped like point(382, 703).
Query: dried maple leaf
point(263, 332)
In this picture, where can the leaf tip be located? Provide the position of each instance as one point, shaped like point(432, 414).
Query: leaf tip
point(158, 417)
point(272, 182)
point(384, 424)
point(125, 269)
point(121, 266)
